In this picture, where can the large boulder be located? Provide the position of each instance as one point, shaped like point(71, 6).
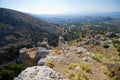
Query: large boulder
point(39, 73)
point(40, 53)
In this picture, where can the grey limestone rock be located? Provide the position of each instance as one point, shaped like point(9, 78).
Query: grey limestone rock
point(39, 73)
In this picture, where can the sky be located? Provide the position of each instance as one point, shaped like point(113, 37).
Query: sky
point(61, 6)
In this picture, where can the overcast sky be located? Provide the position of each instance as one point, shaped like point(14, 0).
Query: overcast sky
point(61, 6)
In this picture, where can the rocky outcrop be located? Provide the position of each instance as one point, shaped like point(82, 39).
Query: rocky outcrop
point(27, 56)
point(41, 53)
point(44, 43)
point(30, 57)
point(61, 42)
point(111, 34)
point(39, 73)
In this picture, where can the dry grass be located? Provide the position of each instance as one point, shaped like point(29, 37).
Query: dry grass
point(105, 70)
point(85, 66)
point(57, 52)
point(50, 63)
point(72, 66)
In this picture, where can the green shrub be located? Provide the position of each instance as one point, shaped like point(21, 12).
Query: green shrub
point(105, 70)
point(72, 66)
point(10, 71)
point(81, 76)
point(106, 46)
point(118, 49)
point(7, 75)
point(85, 66)
point(73, 75)
point(116, 43)
point(98, 57)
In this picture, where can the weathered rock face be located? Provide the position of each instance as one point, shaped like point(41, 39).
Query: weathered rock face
point(61, 41)
point(27, 56)
point(30, 57)
point(40, 53)
point(39, 73)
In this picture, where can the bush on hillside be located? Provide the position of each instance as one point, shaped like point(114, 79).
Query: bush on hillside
point(81, 76)
point(85, 66)
point(72, 66)
point(11, 70)
point(106, 46)
point(98, 57)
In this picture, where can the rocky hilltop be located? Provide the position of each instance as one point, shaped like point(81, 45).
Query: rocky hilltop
point(74, 62)
point(39, 73)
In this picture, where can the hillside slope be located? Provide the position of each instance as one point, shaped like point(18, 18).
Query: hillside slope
point(19, 29)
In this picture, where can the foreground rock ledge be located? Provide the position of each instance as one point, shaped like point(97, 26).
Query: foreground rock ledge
point(39, 73)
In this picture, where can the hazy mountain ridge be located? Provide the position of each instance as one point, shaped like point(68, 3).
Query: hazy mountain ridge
point(15, 18)
point(71, 18)
point(25, 25)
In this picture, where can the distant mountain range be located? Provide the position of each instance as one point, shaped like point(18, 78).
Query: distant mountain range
point(69, 18)
point(17, 29)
